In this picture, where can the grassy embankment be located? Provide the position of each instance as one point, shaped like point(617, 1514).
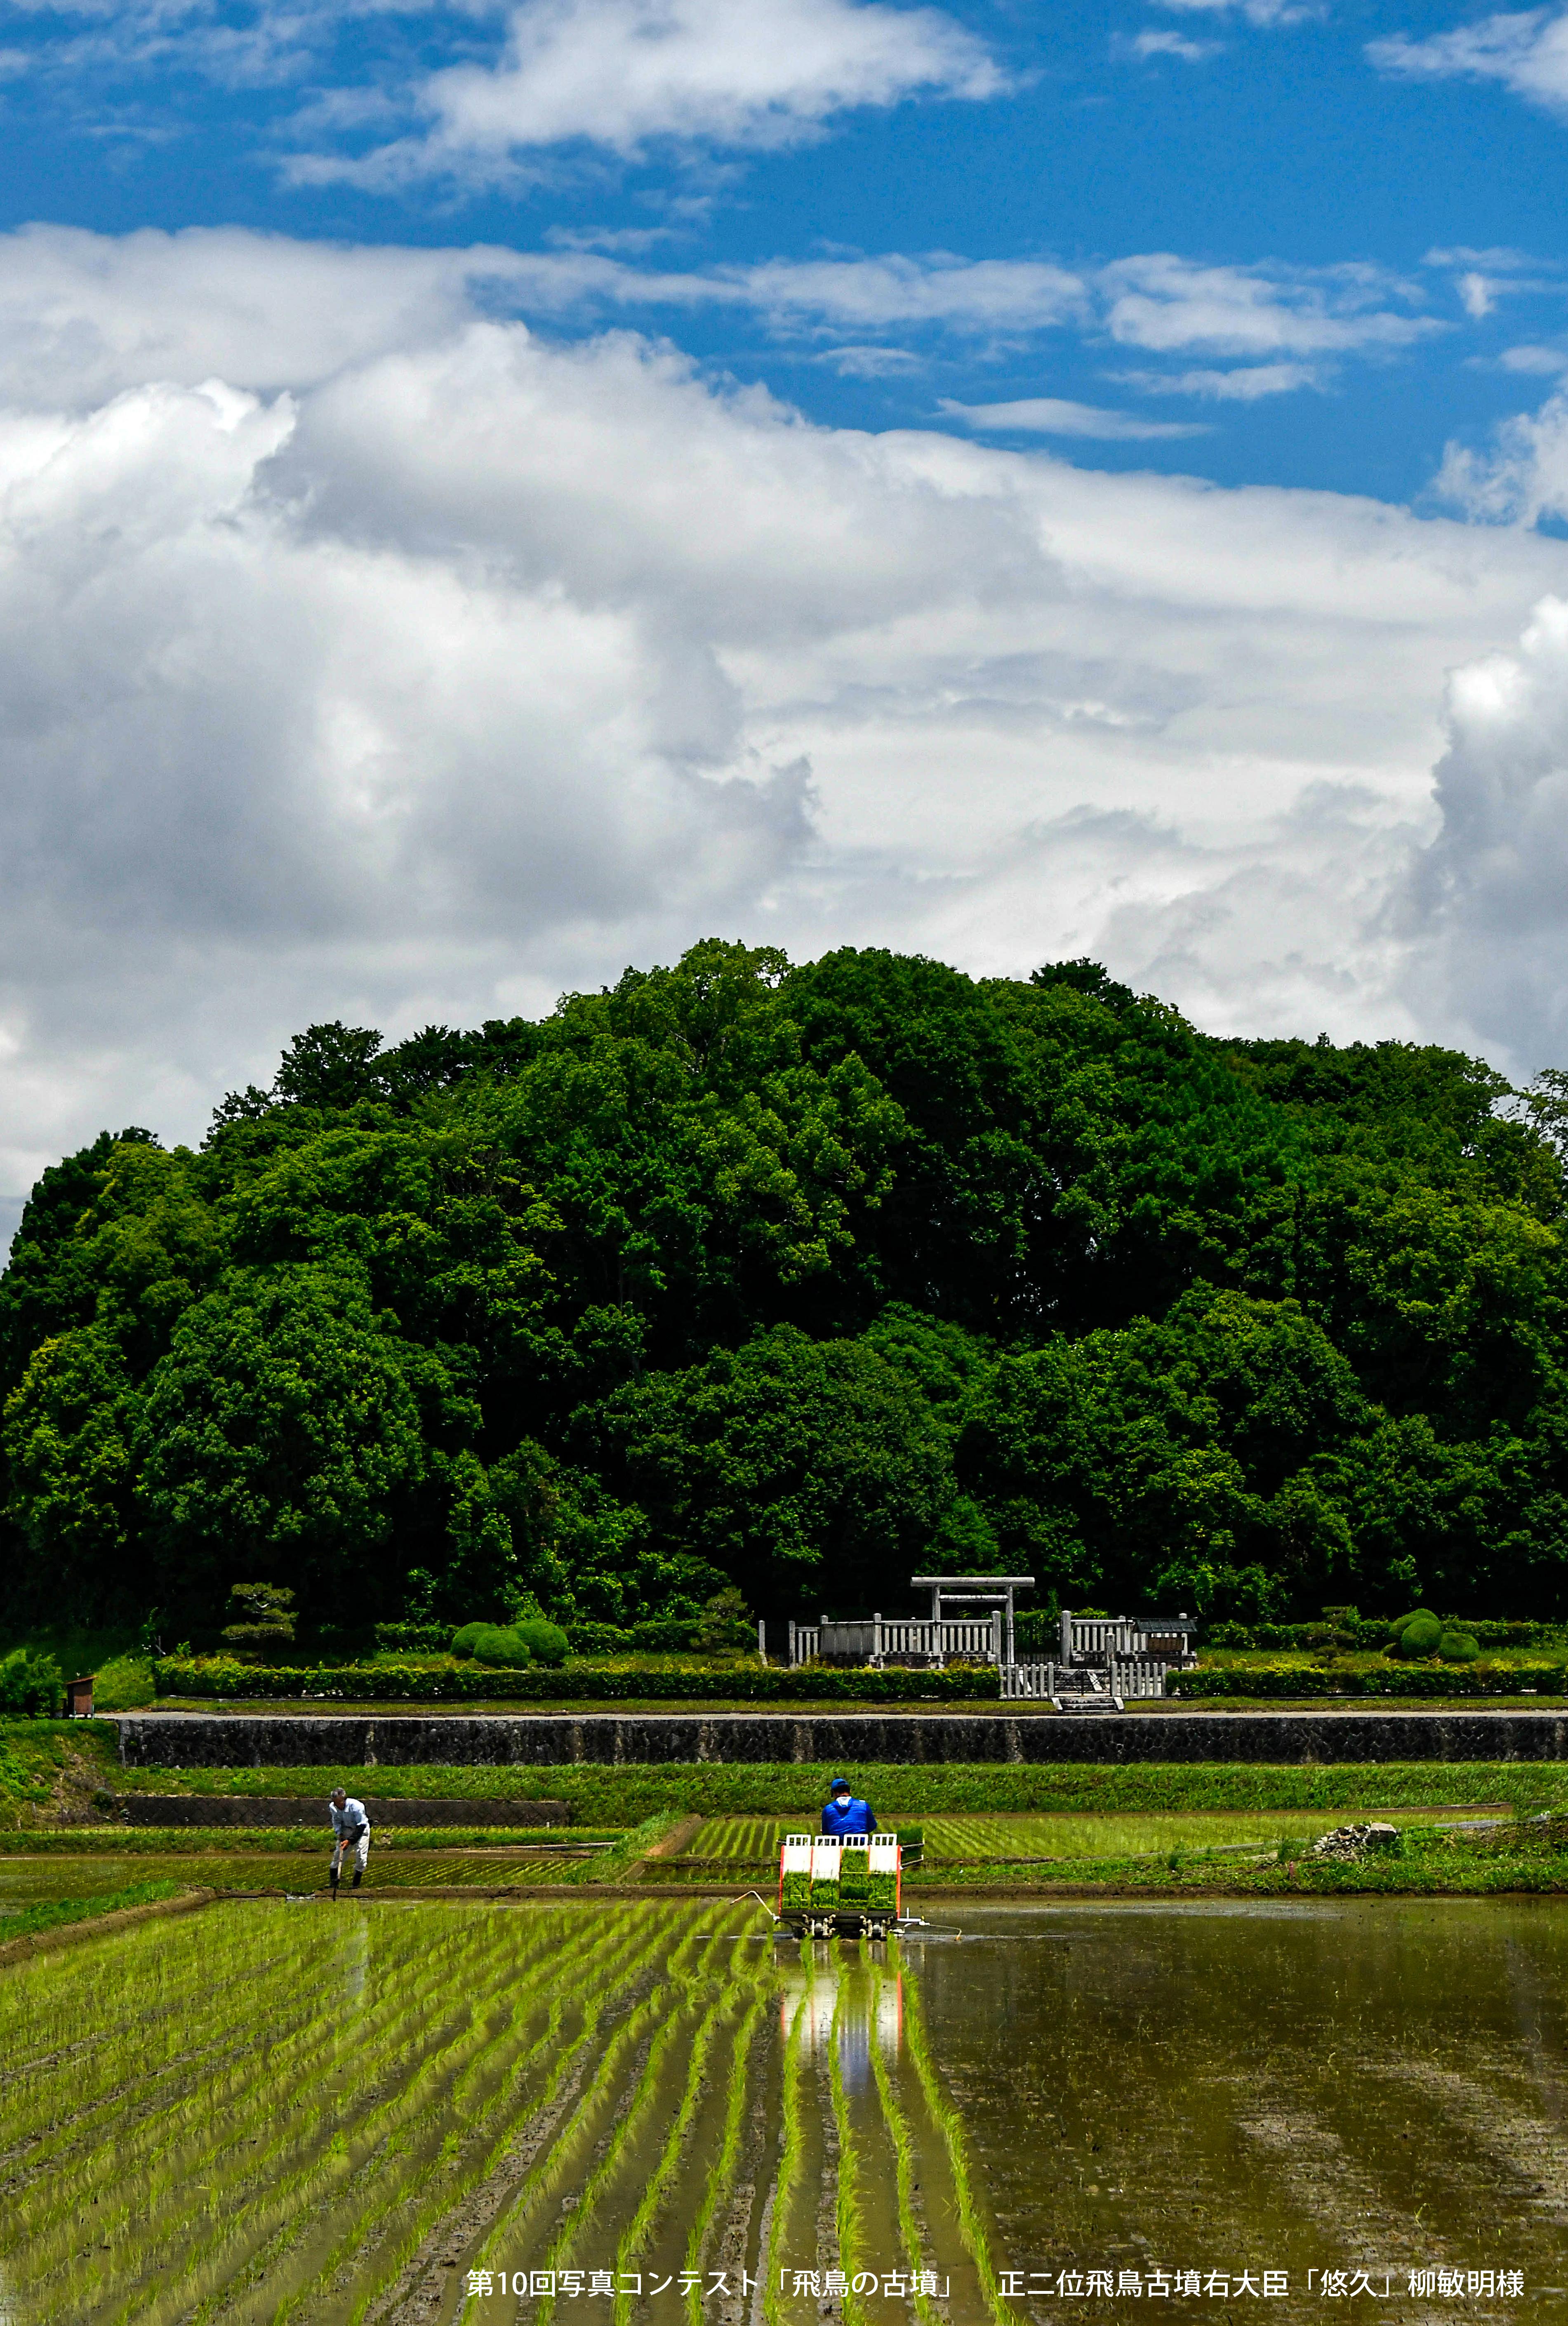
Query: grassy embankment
point(1145, 1828)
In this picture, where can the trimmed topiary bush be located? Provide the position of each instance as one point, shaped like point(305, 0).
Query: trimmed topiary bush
point(546, 1641)
point(498, 1643)
point(1416, 1636)
point(492, 1643)
point(1458, 1647)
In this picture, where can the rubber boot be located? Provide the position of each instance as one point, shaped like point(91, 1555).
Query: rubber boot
point(359, 1877)
point(332, 1877)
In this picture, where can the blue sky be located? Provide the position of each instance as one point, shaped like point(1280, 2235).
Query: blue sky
point(1369, 239)
point(493, 492)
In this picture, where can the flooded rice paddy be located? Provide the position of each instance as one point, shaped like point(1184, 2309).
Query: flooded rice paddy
point(394, 2112)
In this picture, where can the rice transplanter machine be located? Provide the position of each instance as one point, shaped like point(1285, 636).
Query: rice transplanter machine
point(848, 1887)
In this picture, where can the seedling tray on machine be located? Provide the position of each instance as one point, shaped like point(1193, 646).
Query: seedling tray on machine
point(848, 1887)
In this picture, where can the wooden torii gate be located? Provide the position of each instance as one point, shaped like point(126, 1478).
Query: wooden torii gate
point(975, 1590)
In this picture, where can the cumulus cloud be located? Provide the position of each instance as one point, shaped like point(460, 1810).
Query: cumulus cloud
point(1526, 52)
point(465, 664)
point(1053, 416)
point(1486, 901)
point(621, 73)
point(1522, 476)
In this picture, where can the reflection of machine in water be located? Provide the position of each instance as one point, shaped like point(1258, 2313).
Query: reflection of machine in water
point(846, 1886)
point(852, 2014)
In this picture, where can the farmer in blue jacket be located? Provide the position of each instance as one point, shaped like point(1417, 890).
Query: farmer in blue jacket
point(843, 1813)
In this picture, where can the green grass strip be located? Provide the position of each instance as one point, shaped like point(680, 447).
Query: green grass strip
point(608, 1794)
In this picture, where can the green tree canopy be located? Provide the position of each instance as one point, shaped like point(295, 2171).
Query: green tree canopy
point(793, 1281)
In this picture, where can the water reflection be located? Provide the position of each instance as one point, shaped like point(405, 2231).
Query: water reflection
point(842, 2006)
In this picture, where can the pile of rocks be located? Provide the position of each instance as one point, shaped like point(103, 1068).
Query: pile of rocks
point(1350, 1840)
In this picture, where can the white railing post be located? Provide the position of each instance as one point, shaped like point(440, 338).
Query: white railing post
point(761, 1641)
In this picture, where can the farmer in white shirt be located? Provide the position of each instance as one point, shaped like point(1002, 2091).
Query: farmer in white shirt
point(351, 1835)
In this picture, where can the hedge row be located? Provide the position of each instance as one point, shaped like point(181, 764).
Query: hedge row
point(1398, 1679)
point(1372, 1633)
point(414, 1683)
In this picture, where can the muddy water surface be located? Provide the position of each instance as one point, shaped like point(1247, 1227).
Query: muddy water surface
point(1375, 2086)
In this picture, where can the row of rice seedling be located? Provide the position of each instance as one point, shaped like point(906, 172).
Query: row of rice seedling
point(849, 2211)
point(653, 2116)
point(721, 2177)
point(312, 2109)
point(791, 2165)
point(895, 2117)
point(286, 2115)
point(288, 1840)
point(411, 2182)
point(754, 1838)
point(949, 2125)
point(155, 2186)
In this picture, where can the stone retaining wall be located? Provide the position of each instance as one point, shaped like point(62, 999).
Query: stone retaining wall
point(237, 1741)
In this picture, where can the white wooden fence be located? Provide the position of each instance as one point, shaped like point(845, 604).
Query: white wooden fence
point(1135, 1678)
point(1098, 1640)
point(877, 1641)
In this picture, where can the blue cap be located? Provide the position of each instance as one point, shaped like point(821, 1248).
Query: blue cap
point(839, 1785)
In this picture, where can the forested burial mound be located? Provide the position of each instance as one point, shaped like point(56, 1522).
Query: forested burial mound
point(801, 1280)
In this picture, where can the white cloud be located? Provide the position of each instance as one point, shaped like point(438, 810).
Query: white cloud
point(1264, 13)
point(861, 293)
point(464, 666)
point(1247, 383)
point(1496, 259)
point(84, 315)
point(1170, 44)
point(1165, 303)
point(1545, 361)
point(1524, 474)
point(1488, 902)
point(727, 73)
point(1526, 52)
point(1053, 415)
point(248, 45)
